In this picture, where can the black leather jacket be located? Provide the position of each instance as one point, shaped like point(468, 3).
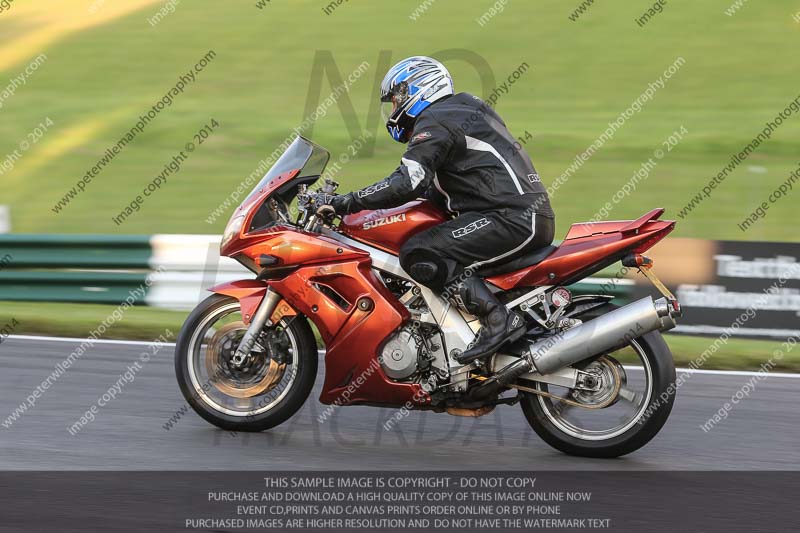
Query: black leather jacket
point(461, 155)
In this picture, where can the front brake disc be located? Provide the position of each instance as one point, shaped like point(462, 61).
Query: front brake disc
point(258, 376)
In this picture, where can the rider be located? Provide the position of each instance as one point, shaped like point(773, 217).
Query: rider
point(460, 155)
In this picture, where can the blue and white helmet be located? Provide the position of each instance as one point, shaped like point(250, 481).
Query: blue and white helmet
point(411, 86)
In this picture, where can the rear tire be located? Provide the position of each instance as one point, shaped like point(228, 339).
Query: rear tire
point(305, 359)
point(539, 413)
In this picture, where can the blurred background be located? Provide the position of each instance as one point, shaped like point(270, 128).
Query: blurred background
point(693, 82)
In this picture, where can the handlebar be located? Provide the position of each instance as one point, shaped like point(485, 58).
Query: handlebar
point(308, 219)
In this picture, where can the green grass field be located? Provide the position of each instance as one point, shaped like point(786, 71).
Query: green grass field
point(739, 72)
point(105, 69)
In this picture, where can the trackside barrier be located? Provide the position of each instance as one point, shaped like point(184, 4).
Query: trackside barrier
point(103, 269)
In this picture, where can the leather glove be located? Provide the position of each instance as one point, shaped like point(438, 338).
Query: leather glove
point(327, 213)
point(344, 204)
point(322, 199)
point(329, 205)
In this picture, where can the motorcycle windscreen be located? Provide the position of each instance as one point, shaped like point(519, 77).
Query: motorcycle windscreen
point(303, 162)
point(302, 156)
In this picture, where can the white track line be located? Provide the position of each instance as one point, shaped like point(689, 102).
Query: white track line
point(147, 343)
point(78, 340)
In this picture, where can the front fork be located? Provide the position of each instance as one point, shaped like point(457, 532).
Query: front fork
point(260, 319)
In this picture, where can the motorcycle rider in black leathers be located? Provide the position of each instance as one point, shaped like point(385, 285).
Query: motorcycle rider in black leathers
point(460, 155)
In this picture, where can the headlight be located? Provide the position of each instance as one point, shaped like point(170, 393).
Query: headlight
point(231, 231)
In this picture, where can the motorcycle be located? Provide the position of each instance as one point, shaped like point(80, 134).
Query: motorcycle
point(593, 378)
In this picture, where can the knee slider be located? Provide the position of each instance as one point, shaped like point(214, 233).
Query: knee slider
point(424, 271)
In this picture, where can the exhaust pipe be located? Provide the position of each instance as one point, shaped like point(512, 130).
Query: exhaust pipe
point(612, 330)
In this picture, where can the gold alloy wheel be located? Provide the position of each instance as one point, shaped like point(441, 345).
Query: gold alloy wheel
point(256, 378)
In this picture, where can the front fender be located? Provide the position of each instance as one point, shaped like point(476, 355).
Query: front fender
point(250, 293)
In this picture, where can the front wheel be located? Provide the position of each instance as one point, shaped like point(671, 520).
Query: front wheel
point(265, 391)
point(628, 409)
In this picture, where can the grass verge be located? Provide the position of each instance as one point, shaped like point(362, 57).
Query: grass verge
point(147, 323)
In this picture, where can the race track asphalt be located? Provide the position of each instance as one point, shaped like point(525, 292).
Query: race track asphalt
point(762, 432)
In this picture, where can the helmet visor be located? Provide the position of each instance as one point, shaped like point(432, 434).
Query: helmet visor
point(387, 108)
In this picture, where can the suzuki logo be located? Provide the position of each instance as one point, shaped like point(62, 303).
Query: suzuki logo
point(383, 221)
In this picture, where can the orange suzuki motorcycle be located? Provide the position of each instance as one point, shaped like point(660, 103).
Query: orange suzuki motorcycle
point(593, 378)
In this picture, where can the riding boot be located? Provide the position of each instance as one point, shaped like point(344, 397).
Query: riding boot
point(498, 324)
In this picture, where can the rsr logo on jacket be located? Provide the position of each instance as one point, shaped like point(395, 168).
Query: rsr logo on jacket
point(469, 228)
point(372, 189)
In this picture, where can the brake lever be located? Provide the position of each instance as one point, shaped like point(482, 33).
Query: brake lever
point(329, 186)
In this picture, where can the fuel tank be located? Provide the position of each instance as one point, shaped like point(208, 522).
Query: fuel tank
point(388, 229)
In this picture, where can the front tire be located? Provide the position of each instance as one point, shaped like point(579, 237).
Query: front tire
point(266, 393)
point(546, 415)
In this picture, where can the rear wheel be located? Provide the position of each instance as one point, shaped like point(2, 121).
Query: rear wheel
point(628, 408)
point(264, 392)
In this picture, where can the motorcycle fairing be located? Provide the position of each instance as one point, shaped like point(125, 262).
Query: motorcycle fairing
point(354, 313)
point(250, 292)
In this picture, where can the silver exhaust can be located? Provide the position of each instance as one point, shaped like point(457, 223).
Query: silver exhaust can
point(609, 331)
